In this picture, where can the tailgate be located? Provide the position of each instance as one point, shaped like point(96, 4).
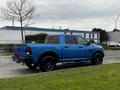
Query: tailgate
point(19, 50)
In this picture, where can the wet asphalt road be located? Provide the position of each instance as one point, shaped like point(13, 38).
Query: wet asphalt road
point(8, 68)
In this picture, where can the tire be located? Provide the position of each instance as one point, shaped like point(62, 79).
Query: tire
point(48, 63)
point(97, 59)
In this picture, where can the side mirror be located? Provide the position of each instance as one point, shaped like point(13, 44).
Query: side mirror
point(88, 43)
point(91, 41)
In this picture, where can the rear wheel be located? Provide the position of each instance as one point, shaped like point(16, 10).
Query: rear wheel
point(97, 59)
point(48, 63)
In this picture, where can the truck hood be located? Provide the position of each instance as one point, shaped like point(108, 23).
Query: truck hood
point(96, 46)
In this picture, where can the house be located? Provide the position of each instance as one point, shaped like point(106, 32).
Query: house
point(12, 35)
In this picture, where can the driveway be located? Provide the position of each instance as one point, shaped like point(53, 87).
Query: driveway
point(112, 56)
point(8, 68)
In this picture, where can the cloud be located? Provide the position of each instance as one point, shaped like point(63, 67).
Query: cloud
point(77, 9)
point(77, 14)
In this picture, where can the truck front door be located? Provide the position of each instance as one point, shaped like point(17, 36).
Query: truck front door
point(70, 49)
point(75, 48)
point(84, 48)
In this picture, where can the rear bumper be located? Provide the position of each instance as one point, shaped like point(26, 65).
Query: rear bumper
point(20, 59)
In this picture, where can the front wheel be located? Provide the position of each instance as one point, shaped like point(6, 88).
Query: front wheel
point(97, 59)
point(47, 64)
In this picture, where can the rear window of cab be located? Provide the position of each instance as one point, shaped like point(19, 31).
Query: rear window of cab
point(52, 40)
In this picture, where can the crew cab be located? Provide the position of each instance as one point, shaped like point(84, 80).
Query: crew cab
point(58, 48)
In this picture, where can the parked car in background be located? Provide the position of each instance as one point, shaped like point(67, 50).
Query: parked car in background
point(113, 44)
point(58, 48)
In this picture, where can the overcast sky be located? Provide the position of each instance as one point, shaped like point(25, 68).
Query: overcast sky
point(75, 14)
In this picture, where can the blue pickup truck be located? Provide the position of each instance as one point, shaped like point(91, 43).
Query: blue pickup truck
point(58, 48)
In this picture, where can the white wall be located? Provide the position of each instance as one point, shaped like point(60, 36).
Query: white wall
point(10, 37)
point(114, 36)
point(37, 32)
point(14, 36)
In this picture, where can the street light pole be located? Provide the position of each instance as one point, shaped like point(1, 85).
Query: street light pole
point(116, 21)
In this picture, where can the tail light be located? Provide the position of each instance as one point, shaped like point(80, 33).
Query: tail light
point(28, 51)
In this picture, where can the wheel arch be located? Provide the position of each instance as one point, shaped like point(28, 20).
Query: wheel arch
point(49, 53)
point(101, 52)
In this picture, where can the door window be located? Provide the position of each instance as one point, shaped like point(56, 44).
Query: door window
point(81, 40)
point(70, 40)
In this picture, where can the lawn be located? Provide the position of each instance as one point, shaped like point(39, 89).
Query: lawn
point(101, 77)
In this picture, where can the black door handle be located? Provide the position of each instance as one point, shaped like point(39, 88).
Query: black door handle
point(65, 46)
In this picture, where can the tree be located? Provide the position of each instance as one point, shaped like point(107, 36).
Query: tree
point(19, 10)
point(116, 30)
point(103, 34)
